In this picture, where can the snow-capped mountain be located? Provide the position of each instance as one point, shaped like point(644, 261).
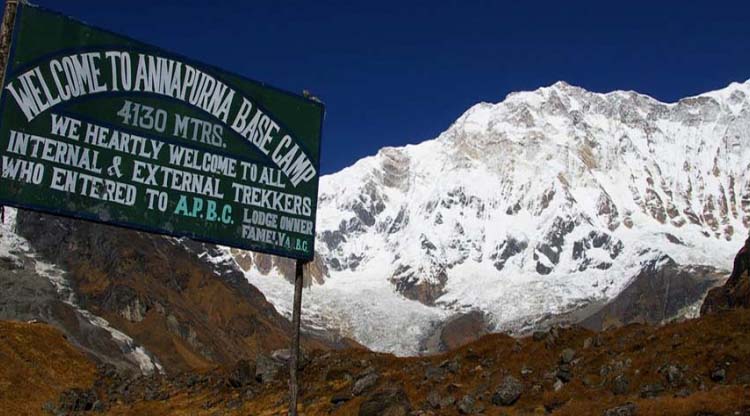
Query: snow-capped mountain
point(540, 204)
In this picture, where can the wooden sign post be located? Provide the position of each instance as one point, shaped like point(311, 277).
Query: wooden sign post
point(294, 359)
point(9, 17)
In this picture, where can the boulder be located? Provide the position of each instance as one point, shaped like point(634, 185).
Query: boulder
point(340, 398)
point(466, 405)
point(718, 375)
point(364, 383)
point(567, 356)
point(242, 374)
point(390, 402)
point(627, 409)
point(674, 375)
point(508, 392)
point(620, 385)
point(266, 369)
point(564, 373)
point(651, 390)
point(77, 400)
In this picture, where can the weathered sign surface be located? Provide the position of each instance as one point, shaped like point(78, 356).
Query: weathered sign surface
point(98, 126)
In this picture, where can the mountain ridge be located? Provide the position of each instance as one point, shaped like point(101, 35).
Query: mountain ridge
point(542, 203)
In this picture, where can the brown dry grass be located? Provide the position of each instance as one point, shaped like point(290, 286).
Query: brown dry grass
point(36, 365)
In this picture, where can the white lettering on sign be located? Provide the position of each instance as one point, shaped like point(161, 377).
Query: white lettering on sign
point(73, 76)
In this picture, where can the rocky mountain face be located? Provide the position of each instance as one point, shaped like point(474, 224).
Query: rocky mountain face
point(134, 300)
point(548, 202)
point(658, 296)
point(732, 295)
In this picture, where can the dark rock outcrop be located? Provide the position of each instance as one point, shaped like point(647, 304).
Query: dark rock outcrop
point(391, 402)
point(659, 293)
point(27, 295)
point(735, 293)
point(175, 297)
point(457, 331)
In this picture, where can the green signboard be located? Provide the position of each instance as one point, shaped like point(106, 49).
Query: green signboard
point(98, 126)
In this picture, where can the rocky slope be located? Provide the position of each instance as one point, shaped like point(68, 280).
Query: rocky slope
point(137, 301)
point(697, 367)
point(33, 289)
point(546, 203)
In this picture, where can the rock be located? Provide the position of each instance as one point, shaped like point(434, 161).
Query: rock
point(451, 365)
point(434, 373)
point(551, 339)
point(106, 370)
point(192, 380)
point(628, 409)
point(364, 383)
point(460, 329)
point(154, 394)
point(558, 385)
point(466, 405)
point(598, 341)
point(620, 385)
point(391, 402)
point(564, 373)
point(550, 376)
point(453, 388)
point(242, 374)
point(651, 390)
point(718, 375)
point(587, 343)
point(539, 335)
point(234, 404)
point(11, 263)
point(98, 406)
point(368, 370)
point(48, 407)
point(733, 295)
point(433, 399)
point(508, 392)
point(340, 398)
point(567, 355)
point(447, 402)
point(683, 392)
point(77, 400)
point(266, 369)
point(284, 355)
point(338, 374)
point(674, 375)
point(589, 381)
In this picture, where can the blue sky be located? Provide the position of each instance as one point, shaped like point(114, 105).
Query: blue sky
point(400, 72)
